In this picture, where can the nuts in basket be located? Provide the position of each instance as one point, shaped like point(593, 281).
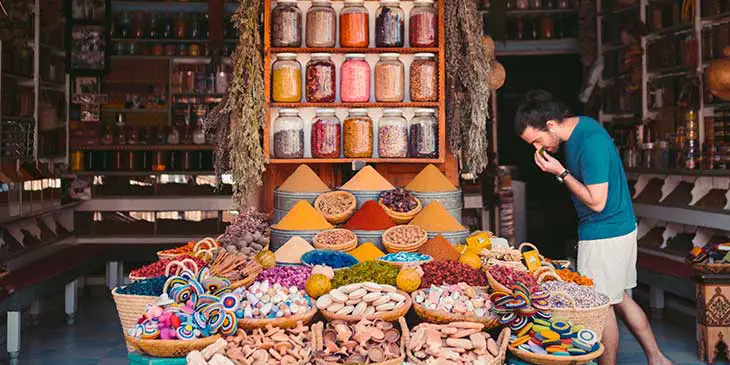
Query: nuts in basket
point(404, 238)
point(336, 206)
point(335, 239)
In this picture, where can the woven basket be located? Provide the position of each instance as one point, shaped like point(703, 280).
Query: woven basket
point(391, 316)
point(440, 316)
point(397, 361)
point(412, 247)
point(538, 359)
point(502, 342)
point(591, 318)
point(129, 309)
point(288, 322)
point(344, 246)
point(170, 348)
point(706, 268)
point(401, 217)
point(340, 217)
point(496, 286)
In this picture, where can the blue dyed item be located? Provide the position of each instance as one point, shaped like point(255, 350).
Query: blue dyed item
point(331, 258)
point(405, 257)
point(136, 358)
point(149, 287)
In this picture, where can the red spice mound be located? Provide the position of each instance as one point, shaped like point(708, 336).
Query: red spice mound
point(440, 249)
point(508, 276)
point(158, 268)
point(451, 272)
point(370, 217)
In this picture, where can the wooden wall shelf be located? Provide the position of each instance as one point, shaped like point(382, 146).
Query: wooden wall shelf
point(355, 50)
point(357, 105)
point(350, 160)
point(137, 147)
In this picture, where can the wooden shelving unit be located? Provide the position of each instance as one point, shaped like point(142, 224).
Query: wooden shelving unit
point(137, 147)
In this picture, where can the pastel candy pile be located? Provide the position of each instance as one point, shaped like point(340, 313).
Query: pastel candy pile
point(262, 300)
point(459, 299)
point(520, 309)
point(557, 338)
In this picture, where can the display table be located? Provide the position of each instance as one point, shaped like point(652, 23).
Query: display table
point(713, 316)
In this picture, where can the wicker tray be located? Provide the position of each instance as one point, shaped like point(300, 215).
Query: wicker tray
point(341, 217)
point(400, 217)
point(538, 359)
point(591, 318)
point(170, 348)
point(397, 361)
point(390, 316)
point(129, 309)
point(440, 316)
point(289, 322)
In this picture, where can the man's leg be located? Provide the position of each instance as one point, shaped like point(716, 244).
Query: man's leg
point(638, 324)
point(610, 339)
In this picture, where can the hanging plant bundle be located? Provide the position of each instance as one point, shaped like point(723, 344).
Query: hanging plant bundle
point(238, 119)
point(467, 84)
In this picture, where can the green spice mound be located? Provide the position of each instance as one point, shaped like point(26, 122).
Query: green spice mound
point(377, 272)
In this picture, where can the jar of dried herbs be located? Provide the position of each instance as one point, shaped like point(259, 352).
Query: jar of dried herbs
point(321, 24)
point(424, 133)
point(392, 134)
point(389, 78)
point(286, 79)
point(288, 134)
point(358, 130)
point(389, 24)
point(423, 24)
point(321, 79)
point(286, 24)
point(424, 78)
point(326, 134)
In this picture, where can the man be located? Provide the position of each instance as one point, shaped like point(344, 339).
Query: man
point(607, 226)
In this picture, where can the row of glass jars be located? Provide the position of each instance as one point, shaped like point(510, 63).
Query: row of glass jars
point(321, 24)
point(355, 74)
point(397, 138)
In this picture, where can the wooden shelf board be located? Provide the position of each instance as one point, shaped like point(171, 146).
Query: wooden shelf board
point(170, 40)
point(275, 50)
point(537, 47)
point(357, 105)
point(676, 29)
point(141, 173)
point(688, 215)
point(137, 147)
point(679, 172)
point(350, 160)
point(125, 110)
point(158, 204)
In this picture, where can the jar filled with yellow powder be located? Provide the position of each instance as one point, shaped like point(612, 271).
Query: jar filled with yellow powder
point(286, 79)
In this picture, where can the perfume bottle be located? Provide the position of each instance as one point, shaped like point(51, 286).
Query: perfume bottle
point(198, 134)
point(121, 129)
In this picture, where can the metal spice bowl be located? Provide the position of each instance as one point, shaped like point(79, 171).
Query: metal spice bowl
point(284, 200)
point(375, 237)
point(456, 238)
point(279, 237)
point(452, 201)
point(362, 196)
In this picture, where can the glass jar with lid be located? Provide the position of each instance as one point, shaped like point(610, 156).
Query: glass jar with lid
point(286, 79)
point(392, 134)
point(326, 134)
point(358, 134)
point(320, 79)
point(286, 24)
point(354, 25)
point(389, 78)
point(424, 77)
point(423, 24)
point(355, 79)
point(389, 24)
point(321, 24)
point(288, 135)
point(423, 134)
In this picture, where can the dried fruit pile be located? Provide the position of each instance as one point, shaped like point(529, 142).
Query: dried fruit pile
point(508, 276)
point(399, 200)
point(453, 343)
point(158, 268)
point(451, 272)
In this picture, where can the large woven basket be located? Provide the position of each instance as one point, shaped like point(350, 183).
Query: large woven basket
point(538, 359)
point(340, 217)
point(170, 348)
point(130, 308)
point(502, 342)
point(397, 361)
point(412, 247)
point(285, 322)
point(341, 246)
point(591, 318)
point(402, 217)
point(439, 316)
point(390, 316)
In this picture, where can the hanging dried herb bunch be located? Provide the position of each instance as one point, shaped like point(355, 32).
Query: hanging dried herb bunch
point(467, 84)
point(238, 119)
point(15, 22)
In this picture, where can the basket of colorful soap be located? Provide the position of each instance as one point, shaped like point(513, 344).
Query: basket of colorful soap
point(361, 342)
point(710, 259)
point(336, 206)
point(404, 238)
point(165, 266)
point(580, 305)
point(338, 239)
point(132, 299)
point(270, 345)
point(455, 343)
point(401, 259)
point(400, 205)
point(553, 342)
point(454, 303)
point(264, 304)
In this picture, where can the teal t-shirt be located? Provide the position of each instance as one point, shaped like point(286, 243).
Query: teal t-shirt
point(592, 158)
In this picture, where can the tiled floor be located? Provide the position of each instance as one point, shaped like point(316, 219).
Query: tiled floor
point(96, 338)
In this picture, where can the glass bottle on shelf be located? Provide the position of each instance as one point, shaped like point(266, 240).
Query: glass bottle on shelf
point(389, 78)
point(286, 79)
point(522, 4)
point(424, 77)
point(173, 135)
point(187, 130)
point(221, 81)
point(321, 25)
point(181, 26)
point(326, 134)
point(358, 134)
point(108, 135)
point(354, 25)
point(321, 79)
point(132, 135)
point(286, 24)
point(392, 134)
point(195, 27)
point(124, 25)
point(423, 136)
point(562, 4)
point(139, 25)
point(288, 135)
point(547, 27)
point(691, 153)
point(423, 24)
point(509, 4)
point(536, 4)
point(168, 30)
point(121, 130)
point(389, 24)
point(355, 79)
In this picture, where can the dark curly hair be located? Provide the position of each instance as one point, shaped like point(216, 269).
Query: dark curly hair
point(538, 108)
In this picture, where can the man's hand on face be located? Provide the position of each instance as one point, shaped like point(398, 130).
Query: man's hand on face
point(548, 163)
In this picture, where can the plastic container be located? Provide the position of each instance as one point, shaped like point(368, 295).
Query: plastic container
point(354, 25)
point(321, 79)
point(286, 24)
point(389, 78)
point(389, 24)
point(286, 79)
point(424, 77)
point(423, 24)
point(326, 134)
point(288, 134)
point(423, 134)
point(358, 134)
point(392, 134)
point(321, 25)
point(355, 79)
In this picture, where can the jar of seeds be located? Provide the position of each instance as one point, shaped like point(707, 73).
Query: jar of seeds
point(392, 134)
point(286, 24)
point(424, 77)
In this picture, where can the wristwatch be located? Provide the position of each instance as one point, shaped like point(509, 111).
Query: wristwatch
point(561, 177)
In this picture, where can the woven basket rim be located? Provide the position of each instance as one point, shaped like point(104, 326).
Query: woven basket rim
point(450, 316)
point(284, 322)
point(539, 359)
point(397, 312)
point(115, 293)
point(345, 246)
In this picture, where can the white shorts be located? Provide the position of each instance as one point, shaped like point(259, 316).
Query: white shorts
point(611, 263)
